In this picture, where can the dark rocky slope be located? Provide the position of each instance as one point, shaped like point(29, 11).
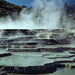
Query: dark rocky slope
point(70, 10)
point(7, 8)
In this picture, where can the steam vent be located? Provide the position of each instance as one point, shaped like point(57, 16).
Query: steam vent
point(35, 51)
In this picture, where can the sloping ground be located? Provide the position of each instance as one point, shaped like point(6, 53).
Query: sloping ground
point(7, 8)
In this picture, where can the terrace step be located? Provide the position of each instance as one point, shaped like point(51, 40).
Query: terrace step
point(5, 54)
point(23, 66)
point(23, 50)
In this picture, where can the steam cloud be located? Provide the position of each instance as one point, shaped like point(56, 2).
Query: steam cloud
point(45, 15)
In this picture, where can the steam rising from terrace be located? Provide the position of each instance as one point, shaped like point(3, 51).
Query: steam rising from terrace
point(45, 16)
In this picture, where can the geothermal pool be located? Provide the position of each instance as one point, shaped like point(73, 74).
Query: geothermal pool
point(63, 71)
point(58, 72)
point(36, 57)
point(32, 56)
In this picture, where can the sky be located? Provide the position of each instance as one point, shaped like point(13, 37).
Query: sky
point(28, 2)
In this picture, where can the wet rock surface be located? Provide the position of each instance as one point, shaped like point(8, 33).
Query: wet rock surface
point(5, 54)
point(31, 41)
point(47, 68)
point(35, 43)
point(2, 73)
point(33, 54)
point(26, 65)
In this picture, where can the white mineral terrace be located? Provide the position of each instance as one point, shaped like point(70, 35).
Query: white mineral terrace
point(24, 61)
point(3, 51)
point(44, 54)
point(56, 46)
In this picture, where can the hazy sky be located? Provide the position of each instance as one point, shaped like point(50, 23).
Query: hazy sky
point(28, 2)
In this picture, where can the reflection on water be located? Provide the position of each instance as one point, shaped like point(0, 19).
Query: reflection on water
point(64, 71)
point(60, 71)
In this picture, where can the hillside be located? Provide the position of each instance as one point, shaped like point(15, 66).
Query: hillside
point(7, 8)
